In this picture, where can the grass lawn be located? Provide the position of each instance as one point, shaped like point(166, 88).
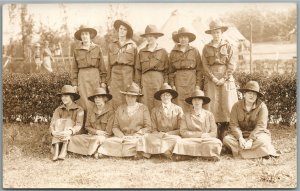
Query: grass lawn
point(27, 164)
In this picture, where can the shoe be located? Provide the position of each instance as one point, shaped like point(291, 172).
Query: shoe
point(213, 158)
point(98, 155)
point(168, 155)
point(55, 158)
point(138, 156)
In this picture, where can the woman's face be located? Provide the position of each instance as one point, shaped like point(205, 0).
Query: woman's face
point(216, 34)
point(197, 103)
point(130, 99)
point(183, 40)
point(100, 100)
point(166, 97)
point(151, 39)
point(85, 37)
point(122, 31)
point(250, 96)
point(66, 99)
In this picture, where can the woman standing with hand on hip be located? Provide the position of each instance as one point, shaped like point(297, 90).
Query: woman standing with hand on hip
point(218, 64)
point(151, 67)
point(185, 67)
point(121, 62)
point(88, 69)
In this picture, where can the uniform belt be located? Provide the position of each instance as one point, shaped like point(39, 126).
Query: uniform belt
point(186, 69)
point(152, 70)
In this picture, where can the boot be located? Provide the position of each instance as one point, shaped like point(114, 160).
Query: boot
point(63, 151)
point(56, 148)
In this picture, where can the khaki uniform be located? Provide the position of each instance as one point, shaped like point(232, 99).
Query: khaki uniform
point(185, 73)
point(87, 144)
point(151, 72)
point(121, 68)
point(133, 127)
point(218, 62)
point(191, 129)
point(166, 131)
point(252, 125)
point(74, 113)
point(88, 72)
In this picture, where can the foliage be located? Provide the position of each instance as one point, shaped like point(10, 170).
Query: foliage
point(279, 93)
point(27, 96)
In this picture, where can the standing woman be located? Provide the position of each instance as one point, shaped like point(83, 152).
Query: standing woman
point(131, 122)
point(218, 64)
point(121, 62)
point(47, 58)
point(249, 136)
point(151, 67)
point(185, 67)
point(37, 57)
point(88, 69)
point(198, 130)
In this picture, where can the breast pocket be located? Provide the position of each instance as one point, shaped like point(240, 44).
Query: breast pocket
point(81, 61)
point(223, 54)
point(210, 56)
point(176, 61)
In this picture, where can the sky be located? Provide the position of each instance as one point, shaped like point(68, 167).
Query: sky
point(138, 14)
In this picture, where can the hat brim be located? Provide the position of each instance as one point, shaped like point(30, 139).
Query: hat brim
point(222, 28)
point(243, 90)
point(152, 34)
point(92, 98)
point(158, 94)
point(76, 96)
point(205, 99)
point(117, 24)
point(92, 32)
point(131, 93)
point(190, 35)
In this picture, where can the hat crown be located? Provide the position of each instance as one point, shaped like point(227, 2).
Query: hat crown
point(100, 91)
point(133, 88)
point(197, 93)
point(66, 89)
point(252, 85)
point(215, 24)
point(166, 87)
point(183, 30)
point(151, 29)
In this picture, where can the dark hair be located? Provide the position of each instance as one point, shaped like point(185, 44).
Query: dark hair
point(71, 96)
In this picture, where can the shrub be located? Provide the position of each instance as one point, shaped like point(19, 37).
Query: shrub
point(29, 95)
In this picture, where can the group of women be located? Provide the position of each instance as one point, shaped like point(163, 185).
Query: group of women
point(137, 117)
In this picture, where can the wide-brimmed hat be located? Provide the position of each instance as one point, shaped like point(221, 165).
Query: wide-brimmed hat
point(132, 89)
point(100, 92)
point(84, 28)
point(152, 30)
point(117, 24)
point(165, 88)
point(251, 86)
point(198, 94)
point(183, 32)
point(216, 24)
point(69, 90)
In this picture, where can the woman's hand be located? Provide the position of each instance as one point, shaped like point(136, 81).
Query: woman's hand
point(103, 85)
point(220, 82)
point(174, 88)
point(75, 88)
point(242, 142)
point(248, 144)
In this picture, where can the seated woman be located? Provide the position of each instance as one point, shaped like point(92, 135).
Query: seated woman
point(249, 136)
point(67, 120)
point(198, 130)
point(98, 125)
point(131, 122)
point(165, 125)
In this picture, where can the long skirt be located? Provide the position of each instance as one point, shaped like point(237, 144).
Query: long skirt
point(261, 147)
point(157, 143)
point(121, 77)
point(88, 80)
point(85, 144)
point(206, 147)
point(119, 147)
point(47, 64)
point(185, 82)
point(222, 97)
point(151, 83)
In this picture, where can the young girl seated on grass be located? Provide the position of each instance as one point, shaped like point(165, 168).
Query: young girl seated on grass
point(67, 120)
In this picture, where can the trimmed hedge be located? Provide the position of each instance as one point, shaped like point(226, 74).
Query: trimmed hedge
point(29, 95)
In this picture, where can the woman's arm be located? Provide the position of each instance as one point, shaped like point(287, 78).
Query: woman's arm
point(185, 132)
point(233, 124)
point(261, 122)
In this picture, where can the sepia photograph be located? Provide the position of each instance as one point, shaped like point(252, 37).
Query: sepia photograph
point(149, 95)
